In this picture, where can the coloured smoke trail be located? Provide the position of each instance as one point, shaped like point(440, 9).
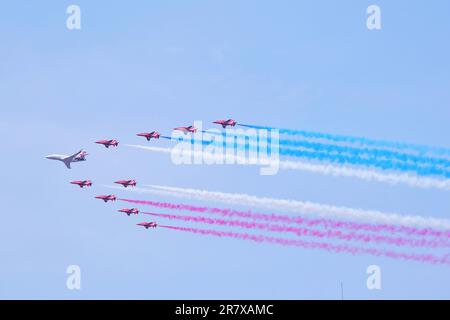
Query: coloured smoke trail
point(368, 162)
point(356, 152)
point(305, 232)
point(308, 222)
point(302, 207)
point(427, 258)
point(367, 152)
point(422, 166)
point(356, 140)
point(332, 169)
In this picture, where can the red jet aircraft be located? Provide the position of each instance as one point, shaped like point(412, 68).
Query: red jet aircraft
point(147, 225)
point(82, 183)
point(189, 129)
point(149, 135)
point(80, 157)
point(129, 211)
point(108, 143)
point(107, 198)
point(126, 183)
point(225, 123)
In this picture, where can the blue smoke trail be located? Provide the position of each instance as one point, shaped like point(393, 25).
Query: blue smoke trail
point(370, 153)
point(381, 164)
point(326, 156)
point(355, 140)
point(359, 152)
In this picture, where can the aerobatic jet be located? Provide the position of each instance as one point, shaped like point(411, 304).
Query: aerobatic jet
point(126, 183)
point(147, 225)
point(82, 183)
point(149, 135)
point(129, 211)
point(80, 157)
point(107, 198)
point(186, 130)
point(67, 160)
point(225, 123)
point(108, 143)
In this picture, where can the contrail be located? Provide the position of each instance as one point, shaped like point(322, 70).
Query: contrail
point(155, 149)
point(428, 258)
point(335, 170)
point(308, 222)
point(355, 140)
point(329, 234)
point(297, 206)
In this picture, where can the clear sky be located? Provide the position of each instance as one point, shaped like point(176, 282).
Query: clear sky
point(144, 65)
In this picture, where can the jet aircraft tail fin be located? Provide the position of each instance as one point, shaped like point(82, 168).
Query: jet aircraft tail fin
point(68, 160)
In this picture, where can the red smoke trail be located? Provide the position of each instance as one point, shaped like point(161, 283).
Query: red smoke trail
point(428, 258)
point(307, 232)
point(327, 223)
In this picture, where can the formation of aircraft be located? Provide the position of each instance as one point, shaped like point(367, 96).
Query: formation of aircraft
point(108, 143)
point(149, 135)
point(129, 211)
point(67, 160)
point(147, 225)
point(81, 156)
point(82, 183)
point(225, 123)
point(186, 130)
point(126, 183)
point(106, 198)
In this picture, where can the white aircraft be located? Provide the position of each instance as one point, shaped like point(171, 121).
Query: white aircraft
point(79, 156)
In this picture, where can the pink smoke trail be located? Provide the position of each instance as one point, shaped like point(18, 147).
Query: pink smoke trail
point(428, 258)
point(307, 232)
point(327, 223)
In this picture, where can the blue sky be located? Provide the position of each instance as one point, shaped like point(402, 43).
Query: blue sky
point(155, 65)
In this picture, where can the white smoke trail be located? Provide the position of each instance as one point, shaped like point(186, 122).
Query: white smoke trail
point(367, 174)
point(330, 170)
point(302, 207)
point(155, 149)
